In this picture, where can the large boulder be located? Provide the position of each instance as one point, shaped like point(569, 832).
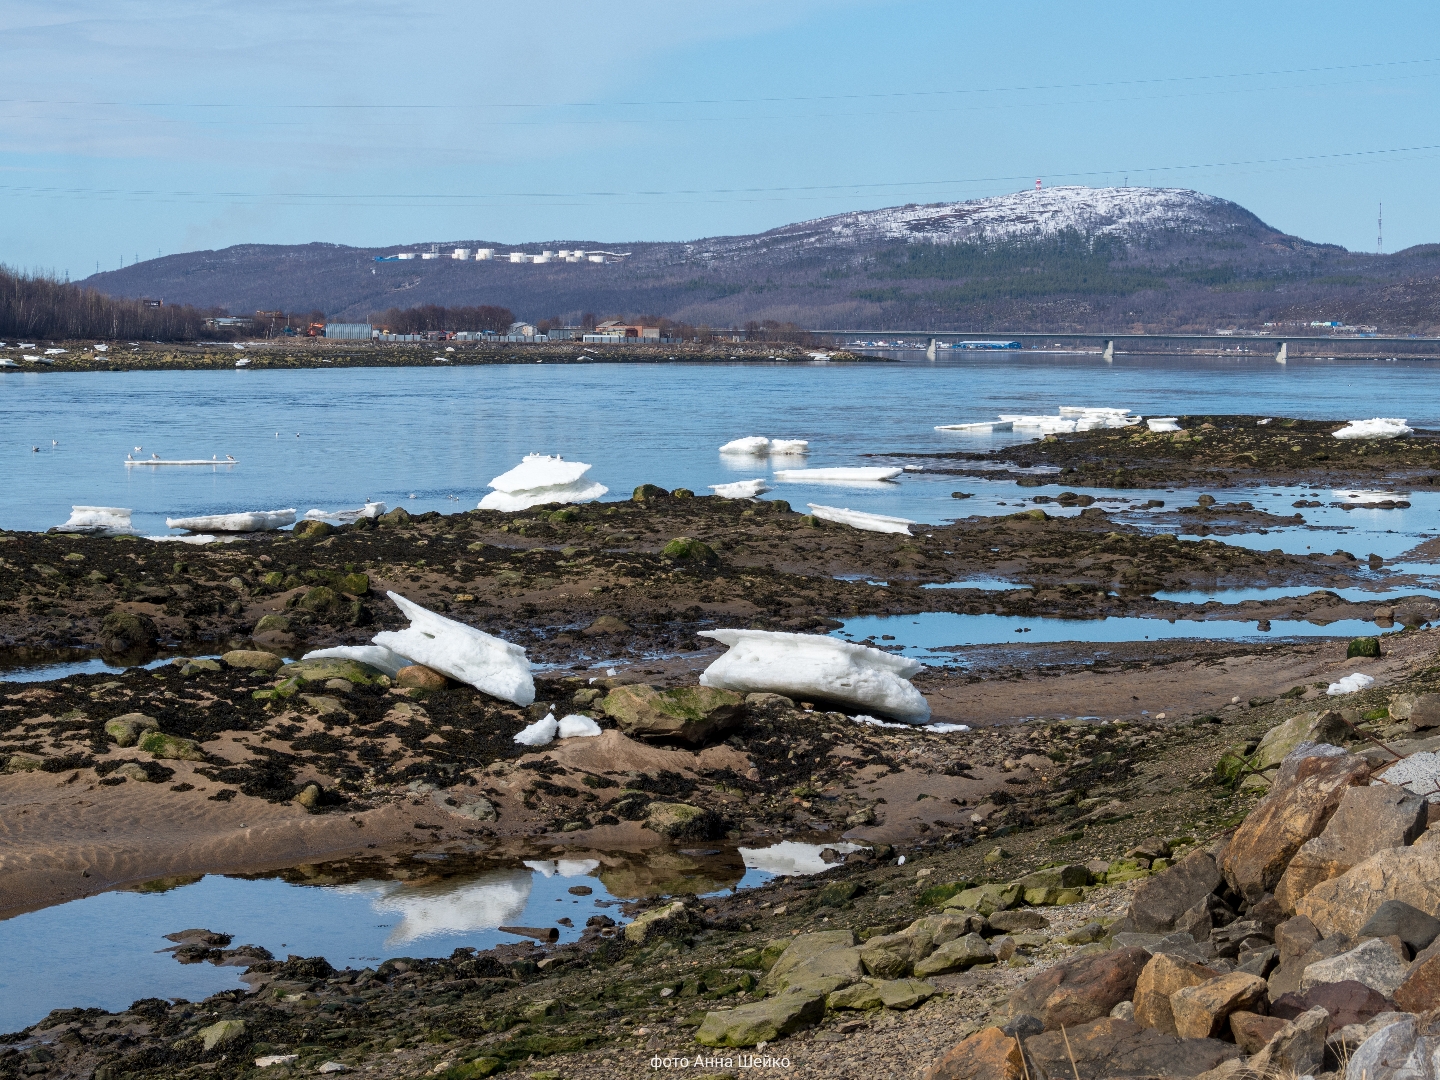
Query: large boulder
point(1054, 885)
point(1297, 1049)
point(1422, 710)
point(1345, 1003)
point(323, 668)
point(170, 747)
point(1395, 918)
point(1372, 963)
point(987, 899)
point(1307, 790)
point(1420, 992)
point(1368, 819)
point(1079, 990)
point(681, 821)
point(252, 660)
point(1325, 726)
point(822, 962)
point(958, 955)
point(762, 1021)
point(1114, 1048)
point(989, 1054)
point(1344, 904)
point(1160, 900)
point(1160, 978)
point(1203, 1011)
point(122, 631)
point(126, 730)
point(893, 956)
point(1386, 1051)
point(669, 920)
point(691, 713)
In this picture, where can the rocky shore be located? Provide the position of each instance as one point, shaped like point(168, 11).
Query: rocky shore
point(1124, 836)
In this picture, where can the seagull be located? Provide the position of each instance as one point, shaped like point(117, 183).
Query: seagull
point(138, 449)
point(36, 450)
point(54, 442)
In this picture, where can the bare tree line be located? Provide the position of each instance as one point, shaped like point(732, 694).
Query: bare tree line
point(35, 305)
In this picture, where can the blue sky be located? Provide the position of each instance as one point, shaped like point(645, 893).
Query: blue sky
point(131, 128)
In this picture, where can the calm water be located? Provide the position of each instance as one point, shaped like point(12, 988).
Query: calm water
point(441, 434)
point(106, 951)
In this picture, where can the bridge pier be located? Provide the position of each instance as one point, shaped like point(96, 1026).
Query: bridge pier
point(1280, 354)
point(1109, 352)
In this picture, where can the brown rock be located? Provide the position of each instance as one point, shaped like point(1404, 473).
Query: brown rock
point(1420, 992)
point(1159, 901)
point(989, 1054)
point(1079, 990)
point(1115, 1048)
point(420, 677)
point(1252, 1031)
point(1295, 937)
point(1201, 1011)
point(1368, 819)
point(1160, 978)
point(691, 713)
point(1346, 903)
point(1297, 1049)
point(1346, 1003)
point(606, 624)
point(1306, 793)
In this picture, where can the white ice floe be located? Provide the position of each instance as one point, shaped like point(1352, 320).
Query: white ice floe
point(369, 510)
point(1378, 428)
point(938, 729)
point(489, 664)
point(758, 445)
point(5, 361)
point(377, 656)
point(256, 521)
point(812, 665)
point(196, 538)
point(1364, 498)
point(102, 348)
point(983, 428)
point(540, 733)
point(790, 858)
point(1163, 423)
point(789, 446)
point(99, 520)
point(857, 519)
point(741, 489)
point(1350, 684)
point(1072, 418)
point(576, 726)
point(867, 472)
point(541, 479)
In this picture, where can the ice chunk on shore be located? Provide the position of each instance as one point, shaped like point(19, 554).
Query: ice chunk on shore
point(1378, 428)
point(489, 664)
point(377, 656)
point(1163, 423)
point(983, 428)
point(1350, 684)
point(541, 479)
point(789, 446)
point(938, 729)
point(758, 445)
point(868, 472)
point(369, 510)
point(576, 726)
point(255, 521)
point(812, 665)
point(98, 520)
point(540, 733)
point(858, 519)
point(741, 489)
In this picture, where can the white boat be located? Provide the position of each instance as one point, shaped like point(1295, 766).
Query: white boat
point(867, 472)
point(156, 459)
point(254, 521)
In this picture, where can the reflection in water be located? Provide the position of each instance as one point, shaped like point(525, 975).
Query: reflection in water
point(666, 873)
point(438, 908)
point(789, 857)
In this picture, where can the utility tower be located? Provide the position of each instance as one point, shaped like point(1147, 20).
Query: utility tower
point(1380, 231)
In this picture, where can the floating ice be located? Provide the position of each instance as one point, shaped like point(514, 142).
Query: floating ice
point(804, 665)
point(489, 664)
point(758, 445)
point(1350, 684)
point(789, 446)
point(541, 479)
point(741, 489)
point(985, 428)
point(576, 726)
point(540, 733)
point(256, 521)
point(1378, 428)
point(1163, 423)
point(377, 656)
point(99, 520)
point(857, 519)
point(868, 472)
point(369, 510)
point(1072, 418)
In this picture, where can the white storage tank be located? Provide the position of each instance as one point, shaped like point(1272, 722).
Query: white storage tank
point(429, 255)
point(485, 253)
point(596, 258)
point(545, 258)
point(517, 257)
point(406, 255)
point(460, 253)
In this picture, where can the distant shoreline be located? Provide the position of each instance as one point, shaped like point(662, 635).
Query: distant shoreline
point(270, 355)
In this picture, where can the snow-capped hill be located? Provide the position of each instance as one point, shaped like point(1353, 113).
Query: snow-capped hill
point(1108, 211)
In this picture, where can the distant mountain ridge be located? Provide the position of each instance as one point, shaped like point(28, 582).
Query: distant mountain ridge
point(1077, 258)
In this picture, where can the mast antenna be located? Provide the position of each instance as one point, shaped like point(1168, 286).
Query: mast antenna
point(1380, 231)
